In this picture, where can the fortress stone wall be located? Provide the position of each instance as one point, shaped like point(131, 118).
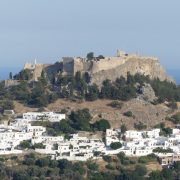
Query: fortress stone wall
point(10, 82)
point(133, 65)
point(36, 69)
point(29, 66)
point(102, 69)
point(114, 67)
point(107, 63)
point(68, 66)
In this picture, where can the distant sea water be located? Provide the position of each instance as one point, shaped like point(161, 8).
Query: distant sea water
point(175, 74)
point(4, 73)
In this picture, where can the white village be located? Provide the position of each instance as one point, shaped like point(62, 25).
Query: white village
point(82, 148)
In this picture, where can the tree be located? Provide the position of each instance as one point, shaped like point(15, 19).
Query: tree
point(130, 79)
point(78, 76)
point(39, 97)
point(29, 161)
point(92, 166)
point(53, 164)
point(166, 131)
point(87, 77)
point(176, 118)
point(115, 145)
point(93, 92)
point(155, 175)
point(161, 150)
point(128, 114)
point(64, 164)
point(78, 166)
point(100, 57)
point(10, 75)
point(43, 162)
point(116, 104)
point(43, 79)
point(141, 170)
point(25, 144)
point(123, 129)
point(139, 126)
point(23, 75)
point(106, 89)
point(102, 125)
point(90, 56)
point(80, 119)
point(167, 174)
point(6, 104)
point(177, 166)
point(21, 175)
point(39, 146)
point(107, 159)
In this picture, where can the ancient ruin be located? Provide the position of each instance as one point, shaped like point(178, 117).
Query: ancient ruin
point(102, 68)
point(114, 67)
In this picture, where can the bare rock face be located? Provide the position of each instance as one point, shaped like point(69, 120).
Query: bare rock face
point(147, 93)
point(105, 68)
point(144, 112)
point(145, 66)
point(36, 70)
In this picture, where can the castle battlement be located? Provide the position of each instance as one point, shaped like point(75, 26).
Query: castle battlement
point(73, 64)
point(115, 66)
point(29, 66)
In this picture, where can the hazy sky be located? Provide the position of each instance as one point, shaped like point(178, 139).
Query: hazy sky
point(49, 29)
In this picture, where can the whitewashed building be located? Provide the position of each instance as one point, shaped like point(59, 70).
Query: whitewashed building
point(43, 116)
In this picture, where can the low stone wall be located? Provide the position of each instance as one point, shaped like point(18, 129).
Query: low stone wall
point(9, 83)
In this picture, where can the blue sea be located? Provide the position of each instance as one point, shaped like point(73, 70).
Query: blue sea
point(175, 74)
point(4, 73)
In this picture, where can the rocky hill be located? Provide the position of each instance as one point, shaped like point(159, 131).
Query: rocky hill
point(147, 113)
point(145, 66)
point(102, 68)
point(144, 99)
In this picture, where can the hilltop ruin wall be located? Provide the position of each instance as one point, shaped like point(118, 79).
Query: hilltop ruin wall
point(114, 67)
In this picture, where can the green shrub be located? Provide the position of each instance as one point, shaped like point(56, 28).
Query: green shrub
point(92, 166)
point(123, 129)
point(110, 167)
point(115, 145)
point(26, 144)
point(107, 159)
point(102, 125)
point(116, 104)
point(166, 131)
point(132, 162)
point(147, 159)
point(141, 170)
point(160, 150)
point(128, 114)
point(38, 146)
point(139, 126)
point(176, 118)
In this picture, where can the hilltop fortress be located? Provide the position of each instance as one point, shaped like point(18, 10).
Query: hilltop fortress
point(114, 67)
point(102, 68)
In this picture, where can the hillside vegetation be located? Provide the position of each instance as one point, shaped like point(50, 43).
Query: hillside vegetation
point(42, 93)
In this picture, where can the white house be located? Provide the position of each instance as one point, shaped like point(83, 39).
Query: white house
point(154, 133)
point(46, 116)
point(46, 139)
point(132, 134)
